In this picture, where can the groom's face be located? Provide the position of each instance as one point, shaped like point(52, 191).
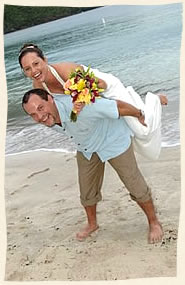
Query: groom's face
point(42, 111)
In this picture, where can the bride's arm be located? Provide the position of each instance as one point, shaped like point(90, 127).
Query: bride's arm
point(126, 109)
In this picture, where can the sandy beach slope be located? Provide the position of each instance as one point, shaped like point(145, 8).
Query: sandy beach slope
point(43, 214)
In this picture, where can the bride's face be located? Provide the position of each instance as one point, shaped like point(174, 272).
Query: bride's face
point(34, 66)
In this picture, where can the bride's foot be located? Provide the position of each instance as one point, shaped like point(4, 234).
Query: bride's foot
point(85, 232)
point(163, 99)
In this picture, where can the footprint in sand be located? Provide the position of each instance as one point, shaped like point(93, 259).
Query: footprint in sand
point(38, 172)
point(19, 189)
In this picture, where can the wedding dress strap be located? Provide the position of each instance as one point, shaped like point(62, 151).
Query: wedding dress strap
point(46, 88)
point(56, 75)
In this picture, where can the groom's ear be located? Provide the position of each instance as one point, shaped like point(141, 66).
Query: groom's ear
point(50, 98)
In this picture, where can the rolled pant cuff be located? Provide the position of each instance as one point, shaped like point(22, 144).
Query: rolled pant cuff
point(146, 197)
point(91, 202)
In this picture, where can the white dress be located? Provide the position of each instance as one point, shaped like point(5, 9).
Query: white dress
point(146, 140)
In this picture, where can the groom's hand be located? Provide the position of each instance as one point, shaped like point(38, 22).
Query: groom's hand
point(78, 106)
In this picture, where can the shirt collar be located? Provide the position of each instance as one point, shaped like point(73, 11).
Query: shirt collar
point(61, 109)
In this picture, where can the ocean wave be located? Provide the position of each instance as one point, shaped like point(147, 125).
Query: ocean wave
point(40, 149)
point(164, 145)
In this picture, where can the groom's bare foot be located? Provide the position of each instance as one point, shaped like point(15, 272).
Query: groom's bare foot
point(155, 232)
point(163, 99)
point(85, 232)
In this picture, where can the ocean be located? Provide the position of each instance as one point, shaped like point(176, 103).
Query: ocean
point(137, 43)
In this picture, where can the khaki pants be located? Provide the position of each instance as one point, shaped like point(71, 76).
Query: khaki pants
point(91, 173)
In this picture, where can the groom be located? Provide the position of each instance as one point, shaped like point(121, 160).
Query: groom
point(101, 134)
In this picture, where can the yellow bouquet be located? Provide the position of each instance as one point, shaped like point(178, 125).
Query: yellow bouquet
point(83, 88)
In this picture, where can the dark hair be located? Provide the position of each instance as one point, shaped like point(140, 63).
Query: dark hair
point(29, 47)
point(40, 92)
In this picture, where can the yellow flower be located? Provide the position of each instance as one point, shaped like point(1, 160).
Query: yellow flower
point(67, 92)
point(72, 81)
point(94, 85)
point(74, 87)
point(81, 84)
point(84, 98)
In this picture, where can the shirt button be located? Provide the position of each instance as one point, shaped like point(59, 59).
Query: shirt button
point(71, 137)
point(85, 149)
point(78, 143)
point(64, 130)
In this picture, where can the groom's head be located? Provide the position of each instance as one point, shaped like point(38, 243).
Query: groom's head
point(40, 105)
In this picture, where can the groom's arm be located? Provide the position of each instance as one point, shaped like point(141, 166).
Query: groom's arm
point(112, 109)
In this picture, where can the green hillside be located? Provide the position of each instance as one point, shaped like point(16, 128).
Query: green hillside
point(21, 17)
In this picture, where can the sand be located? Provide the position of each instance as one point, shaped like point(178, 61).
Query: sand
point(44, 213)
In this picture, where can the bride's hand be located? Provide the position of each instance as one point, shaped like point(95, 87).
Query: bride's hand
point(142, 120)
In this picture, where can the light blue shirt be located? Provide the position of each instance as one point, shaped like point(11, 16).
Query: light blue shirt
point(98, 127)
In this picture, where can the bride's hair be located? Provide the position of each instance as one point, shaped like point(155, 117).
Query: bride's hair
point(29, 47)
